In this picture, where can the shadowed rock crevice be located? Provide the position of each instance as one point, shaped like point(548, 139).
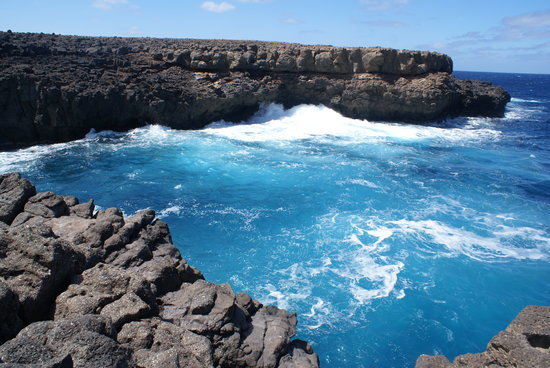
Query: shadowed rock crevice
point(94, 289)
point(539, 341)
point(57, 88)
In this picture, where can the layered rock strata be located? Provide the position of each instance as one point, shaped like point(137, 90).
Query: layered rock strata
point(525, 343)
point(86, 288)
point(56, 88)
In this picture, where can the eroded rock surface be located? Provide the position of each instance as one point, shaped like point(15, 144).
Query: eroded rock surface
point(525, 343)
point(56, 88)
point(80, 288)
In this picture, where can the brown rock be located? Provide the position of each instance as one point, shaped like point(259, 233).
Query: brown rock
point(14, 193)
point(103, 285)
point(47, 204)
point(37, 266)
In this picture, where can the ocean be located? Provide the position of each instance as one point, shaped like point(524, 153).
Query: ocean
point(388, 240)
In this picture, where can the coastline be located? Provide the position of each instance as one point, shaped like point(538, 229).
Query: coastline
point(210, 79)
point(57, 88)
point(81, 287)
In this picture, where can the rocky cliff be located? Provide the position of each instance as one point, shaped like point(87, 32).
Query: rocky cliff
point(524, 344)
point(56, 88)
point(87, 288)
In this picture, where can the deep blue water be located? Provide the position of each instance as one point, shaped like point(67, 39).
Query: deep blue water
point(388, 240)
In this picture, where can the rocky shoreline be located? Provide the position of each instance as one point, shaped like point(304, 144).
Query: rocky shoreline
point(87, 288)
point(56, 88)
point(525, 343)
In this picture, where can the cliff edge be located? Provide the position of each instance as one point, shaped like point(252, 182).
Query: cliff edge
point(87, 288)
point(56, 88)
point(525, 343)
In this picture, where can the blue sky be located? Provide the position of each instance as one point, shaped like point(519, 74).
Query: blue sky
point(480, 35)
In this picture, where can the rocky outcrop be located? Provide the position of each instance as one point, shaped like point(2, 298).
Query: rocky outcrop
point(56, 88)
point(86, 288)
point(525, 343)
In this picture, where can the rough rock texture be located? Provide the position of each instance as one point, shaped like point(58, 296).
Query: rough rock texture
point(524, 344)
point(80, 288)
point(56, 88)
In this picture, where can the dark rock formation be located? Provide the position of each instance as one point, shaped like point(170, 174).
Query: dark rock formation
point(93, 289)
point(56, 88)
point(524, 344)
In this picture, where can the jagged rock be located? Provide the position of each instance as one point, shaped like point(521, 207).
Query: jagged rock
point(86, 340)
point(14, 193)
point(157, 341)
point(47, 205)
point(524, 344)
point(10, 323)
point(108, 290)
point(300, 355)
point(247, 335)
point(269, 337)
point(49, 96)
point(129, 307)
point(120, 295)
point(88, 235)
point(36, 266)
point(66, 362)
point(200, 307)
point(84, 210)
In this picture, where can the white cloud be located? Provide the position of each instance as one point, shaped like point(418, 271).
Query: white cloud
point(212, 6)
point(290, 21)
point(386, 23)
point(107, 4)
point(529, 20)
point(525, 26)
point(377, 5)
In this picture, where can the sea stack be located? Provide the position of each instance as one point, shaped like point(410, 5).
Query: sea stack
point(56, 88)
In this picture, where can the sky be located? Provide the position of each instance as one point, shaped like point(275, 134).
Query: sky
point(480, 35)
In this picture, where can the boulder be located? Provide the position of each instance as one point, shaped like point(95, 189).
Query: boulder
point(118, 294)
point(36, 266)
point(156, 341)
point(47, 205)
point(86, 341)
point(14, 193)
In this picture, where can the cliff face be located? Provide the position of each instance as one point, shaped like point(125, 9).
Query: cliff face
point(525, 343)
point(56, 88)
point(94, 289)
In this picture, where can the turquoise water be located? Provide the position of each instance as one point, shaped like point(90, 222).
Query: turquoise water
point(388, 240)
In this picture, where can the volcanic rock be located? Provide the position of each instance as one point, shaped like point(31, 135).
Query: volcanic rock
point(14, 193)
point(525, 343)
point(85, 289)
point(57, 88)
